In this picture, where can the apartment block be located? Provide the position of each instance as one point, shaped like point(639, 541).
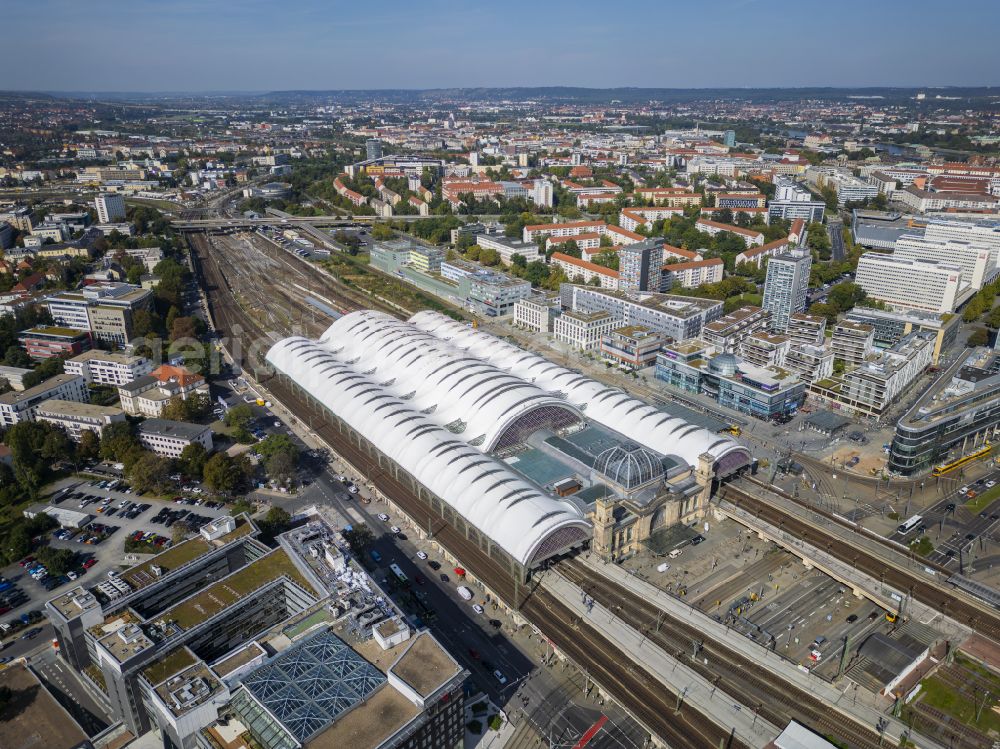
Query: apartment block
point(806, 329)
point(16, 407)
point(108, 368)
point(676, 317)
point(728, 332)
point(906, 284)
point(852, 342)
point(75, 417)
point(786, 286)
point(169, 438)
point(632, 347)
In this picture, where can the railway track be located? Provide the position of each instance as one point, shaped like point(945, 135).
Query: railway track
point(734, 674)
point(978, 617)
point(635, 688)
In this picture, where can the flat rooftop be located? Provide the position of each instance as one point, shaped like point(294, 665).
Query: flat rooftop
point(190, 688)
point(426, 666)
point(74, 602)
point(221, 595)
point(32, 717)
point(142, 575)
point(169, 664)
point(75, 409)
point(241, 657)
point(378, 718)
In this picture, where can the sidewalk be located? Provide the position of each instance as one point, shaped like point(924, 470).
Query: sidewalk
point(859, 710)
point(678, 678)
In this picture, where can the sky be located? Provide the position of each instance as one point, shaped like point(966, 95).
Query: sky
point(253, 45)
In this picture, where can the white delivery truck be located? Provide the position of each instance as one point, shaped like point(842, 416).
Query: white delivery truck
point(465, 593)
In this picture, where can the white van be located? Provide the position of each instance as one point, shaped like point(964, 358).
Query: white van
point(663, 567)
point(675, 553)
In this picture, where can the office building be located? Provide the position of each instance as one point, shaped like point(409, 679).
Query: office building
point(871, 387)
point(786, 285)
point(879, 230)
point(906, 284)
point(729, 139)
point(105, 309)
point(169, 438)
point(18, 406)
point(639, 266)
point(149, 394)
point(631, 347)
point(506, 248)
point(852, 342)
point(727, 333)
point(373, 149)
point(583, 330)
point(977, 262)
point(890, 327)
point(108, 368)
point(426, 259)
point(806, 329)
point(676, 317)
point(956, 416)
point(494, 294)
point(535, 313)
point(763, 392)
point(793, 201)
point(75, 417)
point(849, 188)
point(986, 233)
point(110, 207)
point(46, 342)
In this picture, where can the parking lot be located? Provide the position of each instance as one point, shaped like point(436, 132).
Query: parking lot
point(100, 545)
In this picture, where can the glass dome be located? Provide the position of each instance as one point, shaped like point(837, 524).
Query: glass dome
point(629, 466)
point(723, 364)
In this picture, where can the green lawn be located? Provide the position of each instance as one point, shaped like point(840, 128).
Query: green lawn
point(937, 693)
point(980, 501)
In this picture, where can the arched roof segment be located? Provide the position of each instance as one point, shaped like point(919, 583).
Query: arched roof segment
point(498, 502)
point(613, 408)
point(474, 399)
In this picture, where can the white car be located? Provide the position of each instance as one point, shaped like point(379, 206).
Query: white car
point(352, 489)
point(421, 555)
point(395, 530)
point(477, 608)
point(500, 677)
point(383, 517)
point(71, 575)
point(277, 424)
point(964, 490)
point(990, 484)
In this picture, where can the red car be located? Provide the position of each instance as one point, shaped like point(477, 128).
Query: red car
point(89, 563)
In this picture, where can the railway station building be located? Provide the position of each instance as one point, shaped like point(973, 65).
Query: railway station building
point(509, 447)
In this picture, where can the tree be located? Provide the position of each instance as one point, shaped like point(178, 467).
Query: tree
point(193, 408)
point(360, 538)
point(192, 459)
point(149, 472)
point(281, 467)
point(222, 473)
point(183, 328)
point(119, 443)
point(489, 256)
point(89, 445)
point(275, 522)
point(381, 232)
point(978, 337)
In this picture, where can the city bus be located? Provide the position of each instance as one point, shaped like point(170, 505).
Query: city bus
point(398, 573)
point(944, 468)
point(909, 525)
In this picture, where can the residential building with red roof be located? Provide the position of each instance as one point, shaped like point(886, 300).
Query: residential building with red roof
point(756, 255)
point(750, 237)
point(691, 274)
point(567, 229)
point(586, 270)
